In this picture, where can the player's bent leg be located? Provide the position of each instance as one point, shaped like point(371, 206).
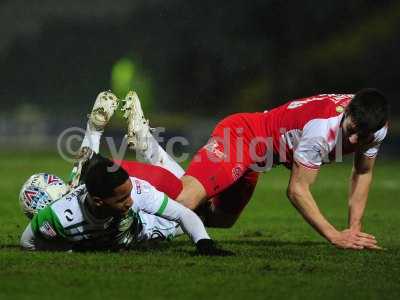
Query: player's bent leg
point(225, 208)
point(193, 192)
point(216, 218)
point(140, 139)
point(209, 173)
point(102, 111)
point(157, 156)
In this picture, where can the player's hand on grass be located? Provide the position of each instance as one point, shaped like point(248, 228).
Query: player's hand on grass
point(207, 247)
point(352, 239)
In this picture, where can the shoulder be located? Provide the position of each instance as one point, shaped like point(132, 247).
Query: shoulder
point(321, 106)
point(70, 203)
point(142, 192)
point(297, 113)
point(51, 221)
point(141, 187)
point(145, 196)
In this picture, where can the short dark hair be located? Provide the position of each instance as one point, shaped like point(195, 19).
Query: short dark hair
point(369, 110)
point(103, 176)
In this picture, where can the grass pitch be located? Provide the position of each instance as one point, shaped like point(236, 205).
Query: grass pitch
point(277, 254)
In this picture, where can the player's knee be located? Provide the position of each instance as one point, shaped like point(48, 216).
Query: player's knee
point(219, 219)
point(187, 200)
point(225, 224)
point(192, 194)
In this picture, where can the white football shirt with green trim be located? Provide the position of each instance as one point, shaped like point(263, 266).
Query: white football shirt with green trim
point(154, 210)
point(68, 220)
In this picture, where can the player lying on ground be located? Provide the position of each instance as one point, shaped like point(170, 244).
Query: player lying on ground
point(302, 135)
point(113, 210)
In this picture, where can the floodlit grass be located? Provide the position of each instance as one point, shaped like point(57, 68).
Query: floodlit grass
point(277, 254)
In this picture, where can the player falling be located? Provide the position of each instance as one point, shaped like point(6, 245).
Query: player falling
point(114, 207)
point(303, 135)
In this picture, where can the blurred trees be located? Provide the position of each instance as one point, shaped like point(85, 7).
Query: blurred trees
point(204, 58)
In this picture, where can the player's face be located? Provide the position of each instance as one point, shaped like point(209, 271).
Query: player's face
point(350, 133)
point(349, 130)
point(121, 201)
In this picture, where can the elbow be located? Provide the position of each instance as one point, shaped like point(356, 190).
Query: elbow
point(290, 193)
point(24, 244)
point(294, 191)
point(27, 239)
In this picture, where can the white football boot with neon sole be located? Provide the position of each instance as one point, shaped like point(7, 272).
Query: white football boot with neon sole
point(102, 111)
point(85, 153)
point(138, 127)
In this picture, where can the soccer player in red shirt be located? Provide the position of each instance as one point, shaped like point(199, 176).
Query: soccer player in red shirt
point(303, 135)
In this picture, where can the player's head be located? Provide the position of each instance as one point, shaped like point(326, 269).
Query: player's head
point(109, 187)
point(367, 112)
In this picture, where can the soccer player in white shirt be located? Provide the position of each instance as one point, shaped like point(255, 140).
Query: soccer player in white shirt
point(112, 210)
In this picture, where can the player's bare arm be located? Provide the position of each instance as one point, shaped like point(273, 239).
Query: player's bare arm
point(360, 182)
point(301, 197)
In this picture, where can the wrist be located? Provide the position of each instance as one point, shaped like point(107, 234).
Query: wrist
point(332, 235)
point(355, 226)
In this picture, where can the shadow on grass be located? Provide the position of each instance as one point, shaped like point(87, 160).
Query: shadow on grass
point(9, 247)
point(259, 248)
point(178, 245)
point(273, 243)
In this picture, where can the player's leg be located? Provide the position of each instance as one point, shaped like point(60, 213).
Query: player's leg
point(220, 163)
point(91, 139)
point(156, 155)
point(102, 111)
point(193, 192)
point(212, 170)
point(224, 209)
point(141, 140)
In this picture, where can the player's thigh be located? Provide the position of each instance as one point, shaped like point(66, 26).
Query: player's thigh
point(213, 171)
point(193, 192)
point(216, 166)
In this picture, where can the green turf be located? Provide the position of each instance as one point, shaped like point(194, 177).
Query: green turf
point(278, 255)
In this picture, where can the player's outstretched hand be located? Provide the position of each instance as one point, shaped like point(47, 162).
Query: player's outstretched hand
point(352, 239)
point(207, 247)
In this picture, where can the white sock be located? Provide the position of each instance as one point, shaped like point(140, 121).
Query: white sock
point(156, 155)
point(92, 139)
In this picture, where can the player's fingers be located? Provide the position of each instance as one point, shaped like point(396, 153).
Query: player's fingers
point(366, 235)
point(368, 241)
point(357, 247)
point(374, 247)
point(366, 244)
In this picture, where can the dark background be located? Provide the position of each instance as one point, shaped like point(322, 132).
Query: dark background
point(194, 61)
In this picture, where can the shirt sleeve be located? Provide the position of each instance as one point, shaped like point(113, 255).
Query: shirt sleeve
point(28, 240)
point(373, 149)
point(313, 147)
point(160, 205)
point(47, 225)
point(31, 242)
